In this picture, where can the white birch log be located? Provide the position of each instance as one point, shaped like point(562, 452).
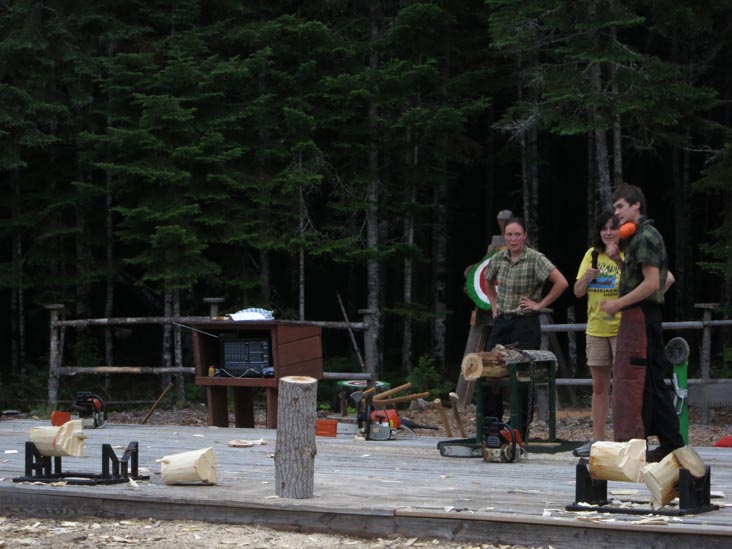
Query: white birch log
point(63, 440)
point(662, 478)
point(622, 461)
point(189, 467)
point(295, 448)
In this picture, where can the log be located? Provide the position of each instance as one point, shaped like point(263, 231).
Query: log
point(393, 391)
point(491, 364)
point(455, 404)
point(437, 403)
point(396, 400)
point(690, 460)
point(63, 440)
point(189, 467)
point(622, 461)
point(662, 478)
point(295, 448)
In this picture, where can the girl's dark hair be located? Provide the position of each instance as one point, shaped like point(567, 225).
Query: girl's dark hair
point(600, 222)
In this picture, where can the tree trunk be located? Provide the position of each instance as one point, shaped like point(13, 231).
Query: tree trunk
point(617, 126)
point(590, 201)
point(439, 266)
point(167, 358)
point(17, 295)
point(301, 249)
point(54, 355)
point(410, 199)
point(295, 448)
point(683, 245)
point(109, 289)
point(264, 276)
point(489, 177)
point(530, 163)
point(373, 270)
point(180, 388)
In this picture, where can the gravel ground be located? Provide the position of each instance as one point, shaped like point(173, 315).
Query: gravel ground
point(92, 532)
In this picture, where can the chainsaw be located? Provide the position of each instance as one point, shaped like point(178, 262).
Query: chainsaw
point(501, 442)
point(90, 408)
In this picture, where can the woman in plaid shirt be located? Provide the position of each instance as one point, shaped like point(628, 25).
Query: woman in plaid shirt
point(515, 279)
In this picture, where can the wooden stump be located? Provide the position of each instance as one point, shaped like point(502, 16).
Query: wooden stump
point(621, 461)
point(63, 440)
point(295, 448)
point(187, 467)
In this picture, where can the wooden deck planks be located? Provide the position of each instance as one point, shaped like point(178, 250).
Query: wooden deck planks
point(364, 488)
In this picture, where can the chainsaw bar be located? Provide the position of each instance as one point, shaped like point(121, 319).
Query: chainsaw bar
point(460, 448)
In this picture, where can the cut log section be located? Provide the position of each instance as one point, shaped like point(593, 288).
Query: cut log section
point(295, 448)
point(622, 461)
point(189, 467)
point(662, 478)
point(490, 364)
point(64, 440)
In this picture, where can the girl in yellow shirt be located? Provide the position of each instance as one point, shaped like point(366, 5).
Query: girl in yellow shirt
point(598, 277)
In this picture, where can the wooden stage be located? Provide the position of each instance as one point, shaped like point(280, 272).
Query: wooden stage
point(390, 488)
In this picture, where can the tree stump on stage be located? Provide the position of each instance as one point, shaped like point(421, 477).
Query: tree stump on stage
point(295, 447)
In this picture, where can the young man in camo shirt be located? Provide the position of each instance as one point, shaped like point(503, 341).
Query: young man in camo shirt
point(642, 404)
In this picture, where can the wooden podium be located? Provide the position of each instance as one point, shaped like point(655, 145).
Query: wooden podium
point(296, 350)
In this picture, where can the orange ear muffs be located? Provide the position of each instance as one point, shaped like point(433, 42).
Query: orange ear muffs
point(627, 230)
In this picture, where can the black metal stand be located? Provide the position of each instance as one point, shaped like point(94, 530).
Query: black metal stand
point(694, 495)
point(40, 468)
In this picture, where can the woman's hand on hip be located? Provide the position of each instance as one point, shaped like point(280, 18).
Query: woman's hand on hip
point(527, 304)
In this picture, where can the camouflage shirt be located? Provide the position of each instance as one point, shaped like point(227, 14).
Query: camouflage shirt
point(646, 246)
point(524, 277)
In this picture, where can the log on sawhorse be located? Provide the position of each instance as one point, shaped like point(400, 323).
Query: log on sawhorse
point(591, 494)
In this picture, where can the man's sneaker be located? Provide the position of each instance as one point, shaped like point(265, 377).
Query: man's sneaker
point(584, 450)
point(657, 454)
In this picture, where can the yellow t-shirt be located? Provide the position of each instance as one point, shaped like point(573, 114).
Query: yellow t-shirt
point(605, 286)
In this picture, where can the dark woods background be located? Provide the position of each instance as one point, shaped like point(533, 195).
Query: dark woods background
point(280, 154)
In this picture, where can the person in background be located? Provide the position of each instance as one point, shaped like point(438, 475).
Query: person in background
point(598, 278)
point(515, 279)
point(642, 404)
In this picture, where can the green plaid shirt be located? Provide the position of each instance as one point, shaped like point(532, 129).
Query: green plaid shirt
point(525, 277)
point(646, 246)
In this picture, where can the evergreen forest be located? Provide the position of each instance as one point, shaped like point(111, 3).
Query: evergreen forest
point(286, 155)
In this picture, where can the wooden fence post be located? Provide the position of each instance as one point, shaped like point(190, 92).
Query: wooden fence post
point(295, 448)
point(53, 355)
point(706, 352)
